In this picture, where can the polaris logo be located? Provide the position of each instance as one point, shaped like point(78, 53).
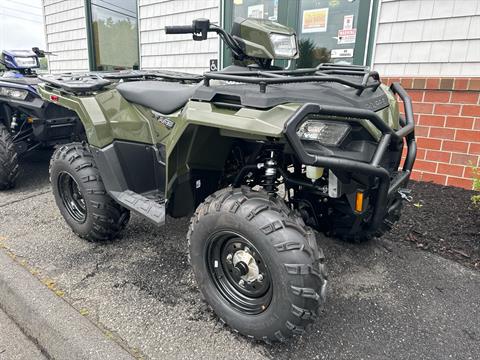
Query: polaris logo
point(169, 124)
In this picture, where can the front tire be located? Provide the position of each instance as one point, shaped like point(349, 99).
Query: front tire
point(266, 238)
point(81, 196)
point(8, 160)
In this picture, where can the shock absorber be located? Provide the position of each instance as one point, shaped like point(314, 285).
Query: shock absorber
point(269, 182)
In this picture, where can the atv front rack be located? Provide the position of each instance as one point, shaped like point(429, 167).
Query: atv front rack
point(321, 73)
point(387, 186)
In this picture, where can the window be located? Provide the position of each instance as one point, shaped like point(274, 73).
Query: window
point(113, 35)
point(327, 30)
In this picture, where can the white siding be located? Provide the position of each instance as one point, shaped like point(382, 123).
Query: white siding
point(66, 35)
point(428, 38)
point(176, 52)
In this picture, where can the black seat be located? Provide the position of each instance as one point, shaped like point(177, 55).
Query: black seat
point(164, 97)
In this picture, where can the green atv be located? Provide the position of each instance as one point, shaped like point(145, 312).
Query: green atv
point(258, 154)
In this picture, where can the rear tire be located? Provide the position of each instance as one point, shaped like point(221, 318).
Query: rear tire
point(81, 196)
point(288, 296)
point(8, 160)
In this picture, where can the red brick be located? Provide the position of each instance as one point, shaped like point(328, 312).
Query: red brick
point(422, 108)
point(468, 135)
point(447, 169)
point(474, 84)
point(442, 133)
point(427, 143)
point(438, 179)
point(460, 182)
point(406, 82)
point(461, 84)
point(437, 96)
point(464, 159)
point(416, 118)
point(433, 83)
point(455, 146)
point(463, 97)
point(422, 131)
point(468, 173)
point(441, 156)
point(477, 124)
point(425, 165)
point(416, 175)
point(471, 110)
point(447, 109)
point(432, 120)
point(474, 148)
point(459, 122)
point(416, 95)
point(421, 154)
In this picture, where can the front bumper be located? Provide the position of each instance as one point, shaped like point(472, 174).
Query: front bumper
point(387, 186)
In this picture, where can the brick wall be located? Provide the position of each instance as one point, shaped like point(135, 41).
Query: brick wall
point(447, 117)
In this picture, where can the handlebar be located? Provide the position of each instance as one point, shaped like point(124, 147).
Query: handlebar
point(200, 28)
point(179, 29)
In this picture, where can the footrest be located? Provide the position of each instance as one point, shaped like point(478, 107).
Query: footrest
point(149, 208)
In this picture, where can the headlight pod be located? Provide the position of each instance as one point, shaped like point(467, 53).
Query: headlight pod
point(284, 45)
point(17, 94)
point(26, 62)
point(327, 133)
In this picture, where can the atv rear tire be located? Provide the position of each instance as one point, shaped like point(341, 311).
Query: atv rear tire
point(238, 223)
point(8, 160)
point(81, 196)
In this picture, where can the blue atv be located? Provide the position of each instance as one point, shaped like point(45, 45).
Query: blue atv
point(26, 121)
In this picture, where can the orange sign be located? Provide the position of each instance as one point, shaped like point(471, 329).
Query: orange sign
point(315, 20)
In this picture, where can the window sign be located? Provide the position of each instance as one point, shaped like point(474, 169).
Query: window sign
point(258, 9)
point(348, 22)
point(315, 20)
point(255, 11)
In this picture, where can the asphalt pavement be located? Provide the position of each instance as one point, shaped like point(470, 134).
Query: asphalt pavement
point(385, 301)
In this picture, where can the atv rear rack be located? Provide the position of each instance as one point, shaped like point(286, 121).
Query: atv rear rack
point(148, 75)
point(321, 73)
point(390, 137)
point(91, 82)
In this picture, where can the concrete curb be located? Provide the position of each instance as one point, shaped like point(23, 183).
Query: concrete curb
point(58, 329)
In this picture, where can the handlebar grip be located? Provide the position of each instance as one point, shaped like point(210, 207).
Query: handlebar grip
point(180, 29)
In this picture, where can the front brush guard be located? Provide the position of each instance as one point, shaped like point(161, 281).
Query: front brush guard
point(387, 187)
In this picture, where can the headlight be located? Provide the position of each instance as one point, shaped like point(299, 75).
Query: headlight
point(284, 45)
point(26, 62)
point(13, 93)
point(325, 132)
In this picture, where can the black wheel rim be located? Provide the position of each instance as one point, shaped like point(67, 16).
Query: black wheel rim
point(249, 297)
point(72, 197)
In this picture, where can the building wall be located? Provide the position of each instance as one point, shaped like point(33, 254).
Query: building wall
point(447, 117)
point(433, 48)
point(428, 38)
point(66, 35)
point(176, 52)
